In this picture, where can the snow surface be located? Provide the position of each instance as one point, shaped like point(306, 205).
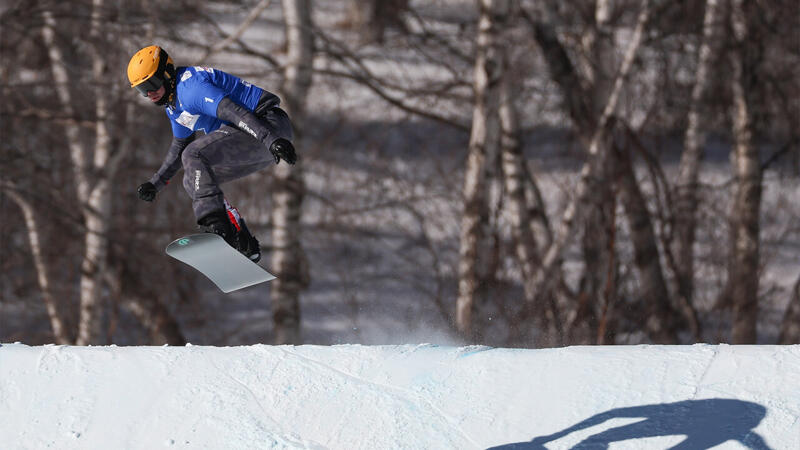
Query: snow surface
point(376, 397)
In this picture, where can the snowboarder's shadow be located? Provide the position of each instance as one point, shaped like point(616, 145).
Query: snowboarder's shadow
point(705, 423)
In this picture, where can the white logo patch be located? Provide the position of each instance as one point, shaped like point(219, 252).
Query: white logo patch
point(246, 84)
point(209, 100)
point(197, 175)
point(186, 75)
point(188, 120)
point(243, 126)
point(205, 69)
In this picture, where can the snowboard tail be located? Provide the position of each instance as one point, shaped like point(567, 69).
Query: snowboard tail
point(228, 269)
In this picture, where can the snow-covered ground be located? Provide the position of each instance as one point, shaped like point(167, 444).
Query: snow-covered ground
point(377, 397)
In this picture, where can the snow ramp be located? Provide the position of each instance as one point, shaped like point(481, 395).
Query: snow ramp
point(405, 397)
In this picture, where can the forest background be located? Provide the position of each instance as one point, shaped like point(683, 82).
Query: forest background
point(499, 172)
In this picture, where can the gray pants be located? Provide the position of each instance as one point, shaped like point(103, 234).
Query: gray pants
point(225, 155)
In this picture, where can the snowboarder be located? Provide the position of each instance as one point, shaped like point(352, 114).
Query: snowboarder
point(224, 128)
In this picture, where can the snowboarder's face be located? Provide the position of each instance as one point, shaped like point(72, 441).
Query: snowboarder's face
point(155, 96)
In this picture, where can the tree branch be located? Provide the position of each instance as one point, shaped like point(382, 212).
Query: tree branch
point(234, 37)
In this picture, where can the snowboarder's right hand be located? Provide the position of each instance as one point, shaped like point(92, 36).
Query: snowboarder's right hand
point(147, 192)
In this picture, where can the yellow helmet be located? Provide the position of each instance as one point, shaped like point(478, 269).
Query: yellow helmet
point(149, 69)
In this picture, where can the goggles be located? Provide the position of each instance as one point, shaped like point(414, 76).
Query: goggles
point(153, 83)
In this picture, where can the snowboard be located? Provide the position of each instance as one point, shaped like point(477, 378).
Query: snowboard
point(218, 261)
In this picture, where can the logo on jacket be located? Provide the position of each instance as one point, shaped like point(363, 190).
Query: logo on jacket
point(209, 100)
point(197, 175)
point(188, 120)
point(243, 126)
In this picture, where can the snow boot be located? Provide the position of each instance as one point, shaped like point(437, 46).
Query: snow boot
point(247, 243)
point(218, 223)
point(235, 233)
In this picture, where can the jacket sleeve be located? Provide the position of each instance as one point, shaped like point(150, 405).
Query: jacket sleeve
point(267, 101)
point(243, 119)
point(172, 162)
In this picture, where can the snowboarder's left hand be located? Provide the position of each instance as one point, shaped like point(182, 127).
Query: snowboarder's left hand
point(147, 192)
point(282, 149)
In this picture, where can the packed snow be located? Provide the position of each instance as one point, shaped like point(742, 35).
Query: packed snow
point(415, 397)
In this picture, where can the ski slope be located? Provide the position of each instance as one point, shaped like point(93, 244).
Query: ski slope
point(415, 397)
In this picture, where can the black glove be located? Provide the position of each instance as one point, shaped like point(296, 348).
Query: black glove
point(282, 149)
point(147, 192)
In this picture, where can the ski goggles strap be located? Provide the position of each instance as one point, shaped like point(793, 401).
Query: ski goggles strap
point(153, 83)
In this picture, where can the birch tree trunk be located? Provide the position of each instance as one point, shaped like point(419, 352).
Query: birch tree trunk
point(598, 247)
point(540, 224)
point(92, 178)
point(660, 321)
point(97, 214)
point(653, 292)
point(686, 199)
point(62, 85)
point(529, 226)
point(515, 178)
point(88, 327)
point(97, 210)
point(54, 313)
point(288, 258)
point(593, 131)
point(743, 276)
point(489, 66)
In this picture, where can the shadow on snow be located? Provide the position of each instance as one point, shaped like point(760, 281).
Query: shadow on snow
point(705, 423)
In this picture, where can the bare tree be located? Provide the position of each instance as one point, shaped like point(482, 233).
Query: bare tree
point(593, 131)
point(489, 67)
point(74, 206)
point(54, 310)
point(686, 198)
point(525, 208)
point(93, 193)
point(600, 62)
point(516, 180)
point(660, 321)
point(236, 35)
point(743, 275)
point(288, 189)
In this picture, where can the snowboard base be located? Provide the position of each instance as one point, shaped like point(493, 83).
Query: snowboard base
point(218, 261)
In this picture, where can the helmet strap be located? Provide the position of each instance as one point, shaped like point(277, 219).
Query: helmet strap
point(166, 71)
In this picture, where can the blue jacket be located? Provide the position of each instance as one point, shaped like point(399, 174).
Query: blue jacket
point(198, 92)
